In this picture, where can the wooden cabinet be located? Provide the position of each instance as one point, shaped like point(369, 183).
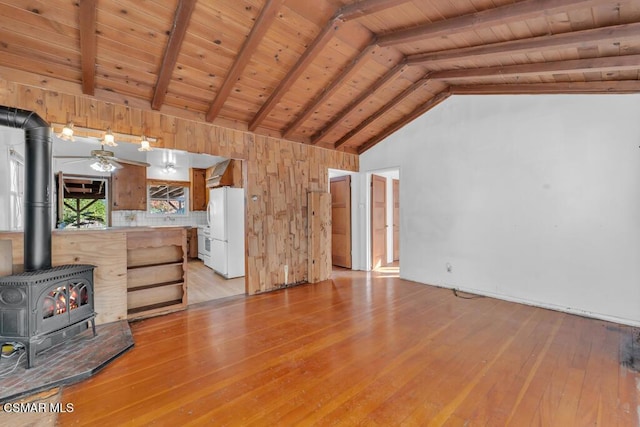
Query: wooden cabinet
point(198, 189)
point(192, 243)
point(129, 188)
point(156, 272)
point(232, 176)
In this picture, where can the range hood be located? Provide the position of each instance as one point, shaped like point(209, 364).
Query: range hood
point(216, 175)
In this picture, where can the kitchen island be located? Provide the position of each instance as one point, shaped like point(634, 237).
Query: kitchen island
point(140, 271)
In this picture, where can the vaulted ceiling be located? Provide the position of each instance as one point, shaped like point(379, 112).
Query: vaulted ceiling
point(338, 74)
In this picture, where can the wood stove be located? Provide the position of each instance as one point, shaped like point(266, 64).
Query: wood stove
point(43, 308)
point(43, 305)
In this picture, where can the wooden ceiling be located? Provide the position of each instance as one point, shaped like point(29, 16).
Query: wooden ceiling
point(338, 74)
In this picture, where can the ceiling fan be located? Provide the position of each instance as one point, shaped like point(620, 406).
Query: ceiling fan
point(104, 160)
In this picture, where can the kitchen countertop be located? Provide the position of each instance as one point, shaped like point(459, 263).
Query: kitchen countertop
point(121, 228)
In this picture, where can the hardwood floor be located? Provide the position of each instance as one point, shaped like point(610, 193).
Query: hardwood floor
point(206, 285)
point(364, 349)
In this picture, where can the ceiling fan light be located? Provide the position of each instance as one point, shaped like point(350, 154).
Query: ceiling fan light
point(67, 132)
point(169, 168)
point(144, 144)
point(109, 138)
point(102, 166)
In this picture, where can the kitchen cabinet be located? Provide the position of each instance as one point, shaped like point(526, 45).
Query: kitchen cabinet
point(192, 242)
point(197, 189)
point(129, 188)
point(232, 176)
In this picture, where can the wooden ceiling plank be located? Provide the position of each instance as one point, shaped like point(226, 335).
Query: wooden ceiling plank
point(88, 45)
point(612, 63)
point(366, 7)
point(381, 112)
point(431, 103)
point(262, 24)
point(612, 86)
point(387, 77)
point(178, 31)
point(616, 33)
point(356, 64)
point(309, 55)
point(474, 21)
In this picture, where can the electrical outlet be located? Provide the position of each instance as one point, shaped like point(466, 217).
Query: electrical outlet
point(286, 274)
point(449, 268)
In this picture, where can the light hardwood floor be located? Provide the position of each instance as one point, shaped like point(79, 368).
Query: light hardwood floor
point(364, 349)
point(206, 285)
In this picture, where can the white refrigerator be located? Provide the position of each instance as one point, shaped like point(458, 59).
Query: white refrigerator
point(225, 216)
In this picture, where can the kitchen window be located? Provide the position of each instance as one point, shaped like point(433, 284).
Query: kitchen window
point(167, 198)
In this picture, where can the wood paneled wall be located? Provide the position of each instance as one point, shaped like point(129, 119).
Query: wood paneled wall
point(279, 174)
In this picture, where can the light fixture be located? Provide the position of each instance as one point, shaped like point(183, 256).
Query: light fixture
point(100, 135)
point(109, 139)
point(169, 168)
point(144, 144)
point(102, 165)
point(67, 132)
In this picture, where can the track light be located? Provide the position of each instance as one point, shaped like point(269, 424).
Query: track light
point(109, 139)
point(67, 132)
point(144, 144)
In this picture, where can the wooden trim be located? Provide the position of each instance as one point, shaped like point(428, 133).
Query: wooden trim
point(612, 63)
point(88, 44)
point(366, 7)
point(616, 33)
point(152, 181)
point(486, 18)
point(614, 86)
point(386, 78)
point(180, 23)
point(356, 64)
point(442, 96)
point(381, 112)
point(304, 61)
point(262, 24)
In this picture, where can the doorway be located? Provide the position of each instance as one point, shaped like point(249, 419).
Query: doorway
point(378, 221)
point(340, 189)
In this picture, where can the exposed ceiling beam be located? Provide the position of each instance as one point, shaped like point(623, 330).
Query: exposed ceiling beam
point(603, 65)
point(355, 66)
point(263, 22)
point(405, 120)
point(613, 86)
point(381, 112)
point(366, 7)
point(309, 55)
point(88, 42)
point(616, 33)
point(386, 78)
point(178, 31)
point(486, 18)
point(344, 14)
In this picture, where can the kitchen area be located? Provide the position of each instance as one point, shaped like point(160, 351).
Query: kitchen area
point(177, 217)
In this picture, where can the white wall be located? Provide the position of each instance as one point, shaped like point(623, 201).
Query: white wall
point(528, 198)
point(10, 138)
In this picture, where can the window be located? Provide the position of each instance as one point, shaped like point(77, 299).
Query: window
point(168, 199)
point(16, 189)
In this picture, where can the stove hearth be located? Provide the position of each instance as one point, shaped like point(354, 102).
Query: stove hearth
point(43, 308)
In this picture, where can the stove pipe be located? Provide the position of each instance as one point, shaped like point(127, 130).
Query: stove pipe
point(38, 183)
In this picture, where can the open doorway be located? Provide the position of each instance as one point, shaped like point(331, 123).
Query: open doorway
point(384, 221)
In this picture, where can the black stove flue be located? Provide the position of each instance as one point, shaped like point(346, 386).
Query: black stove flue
point(42, 306)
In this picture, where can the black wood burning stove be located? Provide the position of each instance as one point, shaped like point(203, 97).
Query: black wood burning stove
point(42, 306)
